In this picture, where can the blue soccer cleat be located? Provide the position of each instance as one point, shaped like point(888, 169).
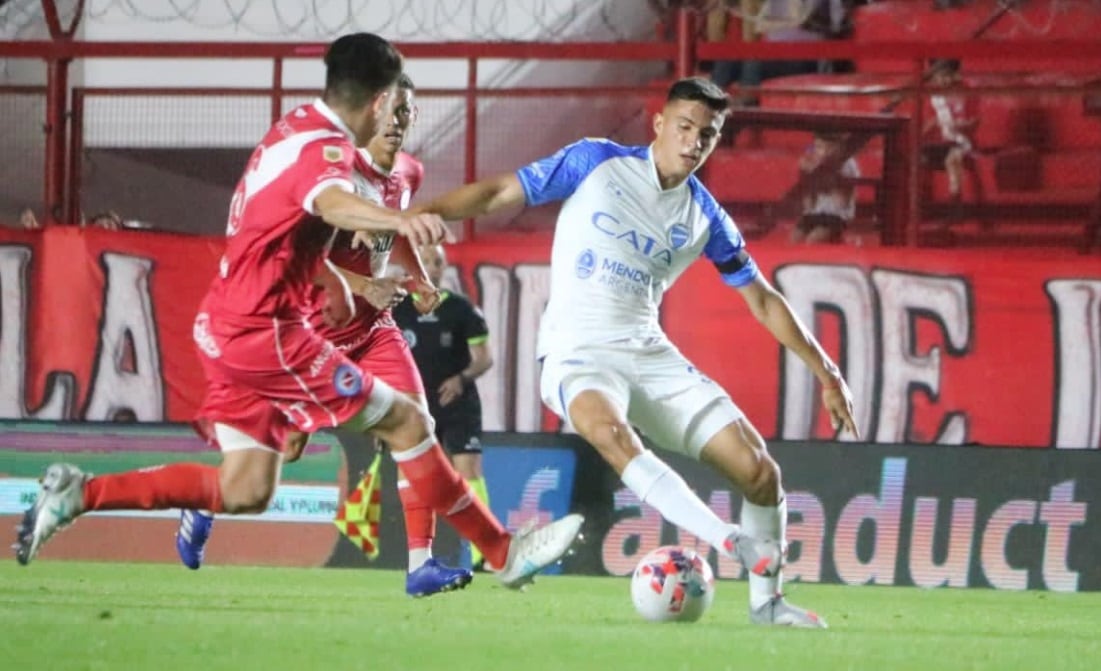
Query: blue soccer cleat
point(433, 577)
point(192, 535)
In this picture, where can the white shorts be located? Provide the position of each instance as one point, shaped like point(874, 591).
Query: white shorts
point(662, 394)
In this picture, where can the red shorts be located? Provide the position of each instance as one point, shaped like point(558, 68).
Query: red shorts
point(267, 382)
point(382, 351)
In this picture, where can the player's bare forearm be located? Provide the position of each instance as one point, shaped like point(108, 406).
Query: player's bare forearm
point(773, 311)
point(349, 212)
point(472, 200)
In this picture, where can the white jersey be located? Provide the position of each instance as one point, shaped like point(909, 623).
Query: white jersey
point(621, 241)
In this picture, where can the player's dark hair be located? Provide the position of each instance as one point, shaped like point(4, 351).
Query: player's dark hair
point(358, 67)
point(404, 82)
point(702, 90)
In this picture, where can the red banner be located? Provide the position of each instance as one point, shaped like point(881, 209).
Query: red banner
point(939, 346)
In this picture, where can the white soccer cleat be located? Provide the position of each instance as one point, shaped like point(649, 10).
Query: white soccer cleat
point(778, 612)
point(59, 501)
point(760, 557)
point(532, 550)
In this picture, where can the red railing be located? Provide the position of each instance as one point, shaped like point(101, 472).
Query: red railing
point(61, 178)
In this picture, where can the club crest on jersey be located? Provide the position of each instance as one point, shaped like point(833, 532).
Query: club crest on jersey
point(586, 264)
point(678, 236)
point(332, 154)
point(637, 240)
point(347, 380)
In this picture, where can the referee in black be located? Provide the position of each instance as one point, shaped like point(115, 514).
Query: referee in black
point(451, 348)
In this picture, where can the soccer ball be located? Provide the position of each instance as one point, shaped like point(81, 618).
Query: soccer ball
point(672, 584)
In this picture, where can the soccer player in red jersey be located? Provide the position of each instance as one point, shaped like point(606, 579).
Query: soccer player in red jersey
point(369, 336)
point(268, 371)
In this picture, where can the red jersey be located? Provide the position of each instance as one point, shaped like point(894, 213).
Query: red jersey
point(394, 190)
point(274, 241)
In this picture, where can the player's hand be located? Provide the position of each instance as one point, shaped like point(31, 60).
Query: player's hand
point(294, 446)
point(450, 389)
point(384, 292)
point(426, 297)
point(838, 400)
point(423, 229)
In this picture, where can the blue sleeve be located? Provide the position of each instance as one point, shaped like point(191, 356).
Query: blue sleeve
point(725, 245)
point(557, 177)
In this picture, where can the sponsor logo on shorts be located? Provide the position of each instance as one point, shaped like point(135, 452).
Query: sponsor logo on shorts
point(347, 380)
point(200, 332)
point(586, 264)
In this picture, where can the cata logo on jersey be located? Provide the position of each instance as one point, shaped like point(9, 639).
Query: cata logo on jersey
point(642, 243)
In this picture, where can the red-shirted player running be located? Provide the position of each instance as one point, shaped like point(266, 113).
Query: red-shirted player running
point(268, 371)
point(386, 175)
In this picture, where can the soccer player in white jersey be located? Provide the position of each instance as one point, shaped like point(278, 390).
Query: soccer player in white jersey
point(632, 220)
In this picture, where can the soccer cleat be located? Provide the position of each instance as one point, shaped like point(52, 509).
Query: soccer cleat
point(778, 612)
point(191, 537)
point(59, 501)
point(760, 557)
point(433, 577)
point(532, 550)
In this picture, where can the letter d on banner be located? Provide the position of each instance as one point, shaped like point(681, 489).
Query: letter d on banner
point(885, 513)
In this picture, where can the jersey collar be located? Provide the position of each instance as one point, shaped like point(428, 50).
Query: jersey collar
point(654, 178)
point(371, 162)
point(327, 112)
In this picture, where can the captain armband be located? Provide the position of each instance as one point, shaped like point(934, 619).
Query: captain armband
point(735, 263)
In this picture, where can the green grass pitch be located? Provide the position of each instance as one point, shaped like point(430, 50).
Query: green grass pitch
point(67, 615)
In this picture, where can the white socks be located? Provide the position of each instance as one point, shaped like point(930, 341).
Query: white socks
point(417, 557)
point(765, 523)
point(656, 484)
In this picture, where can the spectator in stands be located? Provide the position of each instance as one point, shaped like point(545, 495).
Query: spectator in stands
point(108, 219)
point(829, 203)
point(776, 21)
point(27, 220)
point(950, 128)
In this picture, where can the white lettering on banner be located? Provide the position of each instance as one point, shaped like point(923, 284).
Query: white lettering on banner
point(885, 513)
point(541, 481)
point(952, 572)
point(806, 521)
point(904, 297)
point(495, 291)
point(1077, 307)
point(846, 291)
point(534, 293)
point(867, 537)
point(127, 372)
point(60, 388)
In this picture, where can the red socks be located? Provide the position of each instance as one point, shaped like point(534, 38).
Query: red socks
point(438, 485)
point(420, 520)
point(171, 486)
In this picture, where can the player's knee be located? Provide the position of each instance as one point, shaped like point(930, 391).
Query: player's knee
point(406, 425)
point(246, 496)
point(614, 439)
point(763, 487)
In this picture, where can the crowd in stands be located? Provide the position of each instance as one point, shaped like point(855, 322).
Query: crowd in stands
point(1019, 154)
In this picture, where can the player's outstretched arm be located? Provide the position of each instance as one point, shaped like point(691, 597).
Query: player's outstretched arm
point(349, 212)
point(772, 310)
point(472, 200)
